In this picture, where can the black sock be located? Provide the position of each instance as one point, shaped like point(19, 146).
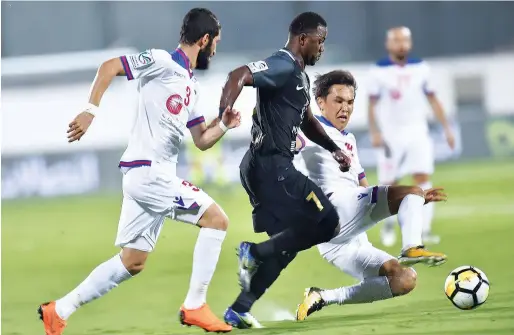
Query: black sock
point(263, 250)
point(266, 275)
point(244, 302)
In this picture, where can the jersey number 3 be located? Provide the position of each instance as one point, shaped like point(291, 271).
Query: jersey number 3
point(313, 197)
point(187, 100)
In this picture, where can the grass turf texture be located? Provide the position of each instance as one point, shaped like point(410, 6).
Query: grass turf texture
point(49, 246)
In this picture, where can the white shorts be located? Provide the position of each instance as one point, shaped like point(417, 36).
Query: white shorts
point(407, 157)
point(148, 198)
point(357, 257)
point(359, 209)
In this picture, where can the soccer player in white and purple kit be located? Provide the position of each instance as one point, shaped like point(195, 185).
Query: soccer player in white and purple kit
point(359, 207)
point(401, 90)
point(168, 94)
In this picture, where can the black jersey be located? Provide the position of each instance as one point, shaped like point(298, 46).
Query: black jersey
point(282, 99)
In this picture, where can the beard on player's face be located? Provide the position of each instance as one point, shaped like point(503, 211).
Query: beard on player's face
point(401, 52)
point(203, 59)
point(311, 58)
point(401, 55)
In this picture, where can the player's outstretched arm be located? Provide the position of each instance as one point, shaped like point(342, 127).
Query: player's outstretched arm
point(271, 73)
point(106, 72)
point(205, 136)
point(315, 132)
point(236, 80)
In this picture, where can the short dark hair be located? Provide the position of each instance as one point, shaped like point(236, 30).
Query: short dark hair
point(324, 82)
point(305, 23)
point(197, 23)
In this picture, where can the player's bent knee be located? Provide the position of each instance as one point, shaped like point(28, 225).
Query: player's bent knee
point(214, 218)
point(133, 260)
point(401, 280)
point(404, 282)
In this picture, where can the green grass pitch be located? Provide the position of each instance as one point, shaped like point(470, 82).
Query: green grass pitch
point(49, 246)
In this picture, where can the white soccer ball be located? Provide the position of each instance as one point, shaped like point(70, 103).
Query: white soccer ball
point(467, 287)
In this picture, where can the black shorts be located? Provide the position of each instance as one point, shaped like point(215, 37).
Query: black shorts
point(281, 195)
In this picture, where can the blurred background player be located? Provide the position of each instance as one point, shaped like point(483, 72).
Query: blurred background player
point(399, 87)
point(168, 92)
point(289, 207)
point(360, 207)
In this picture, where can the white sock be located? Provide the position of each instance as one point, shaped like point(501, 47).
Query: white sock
point(100, 281)
point(368, 290)
point(428, 210)
point(389, 222)
point(205, 259)
point(410, 217)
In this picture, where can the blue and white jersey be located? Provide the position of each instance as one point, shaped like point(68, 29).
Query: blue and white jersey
point(401, 91)
point(168, 94)
point(318, 164)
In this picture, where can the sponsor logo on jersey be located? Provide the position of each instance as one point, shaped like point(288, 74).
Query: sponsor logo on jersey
point(175, 73)
point(174, 104)
point(395, 94)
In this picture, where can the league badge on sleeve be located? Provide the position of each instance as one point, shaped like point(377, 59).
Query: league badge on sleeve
point(141, 60)
point(257, 66)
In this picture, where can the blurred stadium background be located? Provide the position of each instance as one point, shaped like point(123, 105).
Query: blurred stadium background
point(50, 52)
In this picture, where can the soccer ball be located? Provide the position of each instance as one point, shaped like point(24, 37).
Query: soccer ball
point(467, 287)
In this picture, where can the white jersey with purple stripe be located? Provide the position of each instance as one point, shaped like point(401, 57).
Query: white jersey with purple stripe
point(168, 94)
point(401, 91)
point(319, 165)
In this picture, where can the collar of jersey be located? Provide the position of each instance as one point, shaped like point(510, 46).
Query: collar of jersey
point(324, 120)
point(181, 59)
point(290, 54)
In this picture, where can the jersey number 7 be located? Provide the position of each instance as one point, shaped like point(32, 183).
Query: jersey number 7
point(313, 197)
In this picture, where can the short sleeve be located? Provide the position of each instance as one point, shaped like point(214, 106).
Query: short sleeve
point(305, 143)
point(373, 84)
point(196, 117)
point(272, 72)
point(355, 159)
point(428, 85)
point(144, 64)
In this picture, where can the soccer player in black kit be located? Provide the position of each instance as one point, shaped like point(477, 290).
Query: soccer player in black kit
point(288, 206)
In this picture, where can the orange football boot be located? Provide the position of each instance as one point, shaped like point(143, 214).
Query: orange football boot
point(54, 325)
point(204, 318)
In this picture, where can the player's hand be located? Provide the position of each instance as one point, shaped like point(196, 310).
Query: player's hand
point(78, 127)
point(435, 194)
point(449, 138)
point(376, 139)
point(231, 118)
point(343, 160)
